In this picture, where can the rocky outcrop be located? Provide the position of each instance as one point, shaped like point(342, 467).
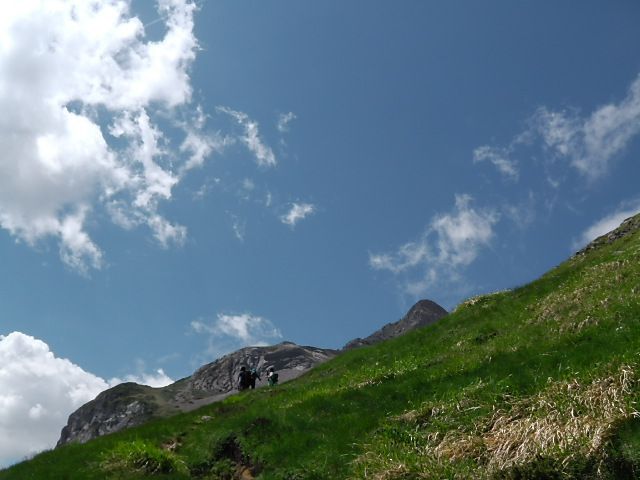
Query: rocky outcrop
point(627, 227)
point(123, 406)
point(129, 404)
point(423, 313)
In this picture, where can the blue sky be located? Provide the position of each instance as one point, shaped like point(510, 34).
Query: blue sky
point(180, 180)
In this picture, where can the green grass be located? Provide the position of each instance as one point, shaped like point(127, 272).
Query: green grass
point(537, 382)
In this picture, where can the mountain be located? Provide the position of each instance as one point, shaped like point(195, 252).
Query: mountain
point(129, 404)
point(538, 381)
point(423, 313)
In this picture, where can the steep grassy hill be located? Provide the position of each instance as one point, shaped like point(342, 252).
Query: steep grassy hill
point(536, 382)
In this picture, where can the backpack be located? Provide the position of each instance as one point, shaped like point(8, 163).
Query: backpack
point(245, 379)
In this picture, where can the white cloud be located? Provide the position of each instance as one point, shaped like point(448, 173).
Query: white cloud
point(450, 242)
point(251, 137)
point(607, 223)
point(284, 120)
point(81, 91)
point(297, 212)
point(408, 256)
point(499, 157)
point(156, 379)
point(38, 392)
point(588, 143)
point(229, 332)
point(239, 227)
point(591, 143)
point(462, 233)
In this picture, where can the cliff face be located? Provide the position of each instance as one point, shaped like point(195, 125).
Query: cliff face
point(423, 313)
point(129, 404)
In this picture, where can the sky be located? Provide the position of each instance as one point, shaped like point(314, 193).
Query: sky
point(181, 179)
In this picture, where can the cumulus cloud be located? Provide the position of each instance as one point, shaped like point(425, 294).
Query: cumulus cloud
point(229, 332)
point(450, 242)
point(607, 223)
point(81, 90)
point(251, 137)
point(587, 143)
point(38, 392)
point(297, 212)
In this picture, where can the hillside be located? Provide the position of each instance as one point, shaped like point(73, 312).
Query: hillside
point(536, 382)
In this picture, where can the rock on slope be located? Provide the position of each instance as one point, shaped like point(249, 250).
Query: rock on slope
point(423, 313)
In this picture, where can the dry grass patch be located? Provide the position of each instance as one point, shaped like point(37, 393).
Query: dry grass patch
point(566, 421)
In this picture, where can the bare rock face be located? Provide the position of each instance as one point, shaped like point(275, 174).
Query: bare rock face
point(129, 404)
point(423, 313)
point(123, 406)
point(221, 376)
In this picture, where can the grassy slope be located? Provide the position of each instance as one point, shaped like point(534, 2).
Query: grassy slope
point(537, 382)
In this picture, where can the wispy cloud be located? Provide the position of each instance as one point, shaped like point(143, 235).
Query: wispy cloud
point(229, 332)
point(284, 119)
point(587, 143)
point(450, 242)
point(499, 157)
point(591, 143)
point(297, 212)
point(239, 227)
point(251, 137)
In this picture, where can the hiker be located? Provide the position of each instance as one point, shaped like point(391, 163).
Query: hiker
point(272, 376)
point(244, 379)
point(252, 379)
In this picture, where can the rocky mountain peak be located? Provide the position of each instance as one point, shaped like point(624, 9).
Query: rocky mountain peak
point(423, 313)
